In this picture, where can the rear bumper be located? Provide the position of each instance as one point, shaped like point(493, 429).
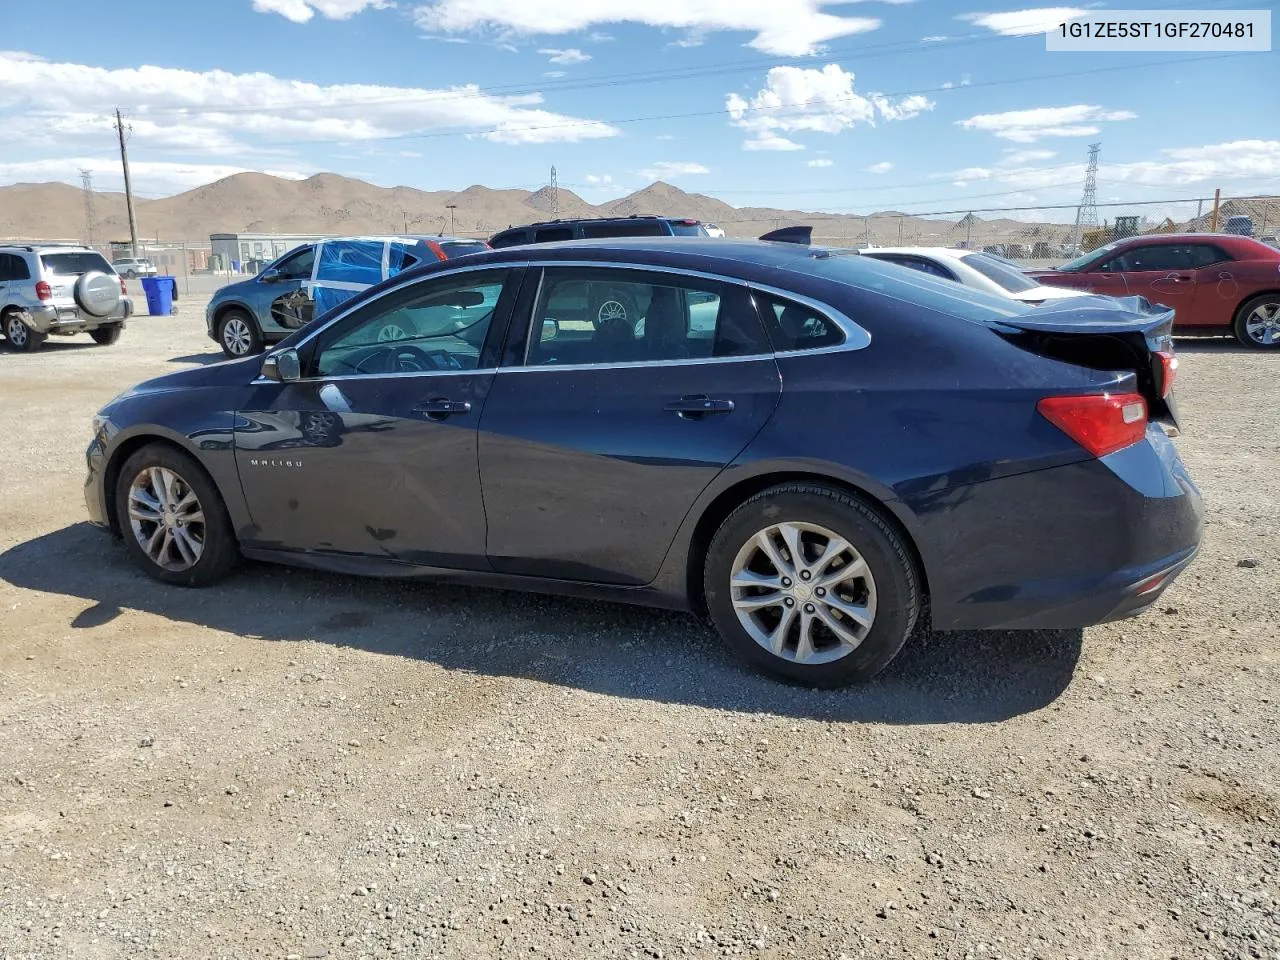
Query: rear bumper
point(47, 318)
point(1066, 547)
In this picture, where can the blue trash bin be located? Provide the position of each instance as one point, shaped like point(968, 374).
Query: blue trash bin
point(159, 295)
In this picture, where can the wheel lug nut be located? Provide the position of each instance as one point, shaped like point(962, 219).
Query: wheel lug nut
point(821, 591)
point(789, 602)
point(786, 581)
point(808, 608)
point(805, 574)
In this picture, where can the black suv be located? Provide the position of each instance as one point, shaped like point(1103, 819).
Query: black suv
point(598, 228)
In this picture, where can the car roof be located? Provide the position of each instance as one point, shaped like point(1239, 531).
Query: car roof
point(951, 253)
point(564, 221)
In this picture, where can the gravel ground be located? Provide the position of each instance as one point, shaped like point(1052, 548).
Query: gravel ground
point(301, 765)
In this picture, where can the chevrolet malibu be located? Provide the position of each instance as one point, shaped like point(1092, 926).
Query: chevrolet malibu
point(806, 445)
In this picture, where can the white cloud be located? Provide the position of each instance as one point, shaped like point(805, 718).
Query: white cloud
point(23, 56)
point(555, 74)
point(1023, 23)
point(669, 170)
point(690, 41)
point(598, 37)
point(792, 28)
point(665, 136)
point(247, 114)
point(566, 55)
point(796, 100)
point(150, 178)
point(1028, 126)
point(884, 166)
point(948, 85)
point(1016, 157)
point(300, 11)
point(599, 180)
point(1236, 160)
point(935, 39)
point(820, 162)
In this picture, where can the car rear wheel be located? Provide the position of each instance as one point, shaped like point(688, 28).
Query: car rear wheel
point(811, 585)
point(106, 335)
point(20, 336)
point(1257, 322)
point(238, 335)
point(174, 523)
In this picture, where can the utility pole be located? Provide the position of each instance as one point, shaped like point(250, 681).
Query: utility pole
point(86, 181)
point(1217, 195)
point(451, 207)
point(128, 189)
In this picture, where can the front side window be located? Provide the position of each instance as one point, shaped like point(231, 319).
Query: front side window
point(598, 316)
point(433, 325)
point(297, 266)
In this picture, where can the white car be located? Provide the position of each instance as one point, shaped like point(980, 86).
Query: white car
point(973, 269)
point(713, 230)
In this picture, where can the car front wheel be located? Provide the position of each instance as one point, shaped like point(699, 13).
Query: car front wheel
point(238, 335)
point(174, 523)
point(811, 585)
point(1257, 322)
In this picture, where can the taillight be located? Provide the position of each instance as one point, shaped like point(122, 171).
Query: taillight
point(1168, 370)
point(43, 291)
point(1101, 423)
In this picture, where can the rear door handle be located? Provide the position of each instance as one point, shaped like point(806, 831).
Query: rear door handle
point(695, 408)
point(442, 407)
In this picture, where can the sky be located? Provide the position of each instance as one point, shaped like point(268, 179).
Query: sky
point(915, 105)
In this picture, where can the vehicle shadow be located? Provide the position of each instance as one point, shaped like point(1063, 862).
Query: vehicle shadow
point(1210, 344)
point(602, 647)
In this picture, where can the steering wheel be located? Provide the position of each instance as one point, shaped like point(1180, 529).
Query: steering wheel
point(408, 358)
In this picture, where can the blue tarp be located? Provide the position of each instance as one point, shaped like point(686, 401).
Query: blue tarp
point(345, 267)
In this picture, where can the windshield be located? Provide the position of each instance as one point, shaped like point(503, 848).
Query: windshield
point(1082, 261)
point(74, 264)
point(1009, 278)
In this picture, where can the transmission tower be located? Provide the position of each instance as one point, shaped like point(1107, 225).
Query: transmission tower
point(1087, 212)
point(555, 196)
point(86, 181)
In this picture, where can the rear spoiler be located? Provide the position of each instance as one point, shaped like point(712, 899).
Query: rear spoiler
point(801, 235)
point(1096, 315)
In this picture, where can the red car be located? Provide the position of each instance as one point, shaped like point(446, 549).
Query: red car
point(1213, 281)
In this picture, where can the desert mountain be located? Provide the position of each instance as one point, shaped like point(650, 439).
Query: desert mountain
point(329, 204)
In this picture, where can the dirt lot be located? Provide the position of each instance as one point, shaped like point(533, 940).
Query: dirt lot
point(301, 765)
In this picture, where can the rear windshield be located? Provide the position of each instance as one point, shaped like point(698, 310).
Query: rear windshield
point(911, 286)
point(511, 238)
point(687, 229)
point(459, 248)
point(603, 230)
point(74, 264)
point(1010, 278)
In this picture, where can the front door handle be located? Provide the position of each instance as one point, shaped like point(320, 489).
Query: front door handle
point(440, 407)
point(695, 408)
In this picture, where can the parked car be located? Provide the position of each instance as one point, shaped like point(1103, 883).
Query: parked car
point(1216, 282)
point(713, 230)
point(982, 271)
point(243, 318)
point(597, 228)
point(59, 289)
point(1241, 226)
point(842, 443)
point(134, 267)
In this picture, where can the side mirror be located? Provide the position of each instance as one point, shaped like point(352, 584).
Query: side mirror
point(550, 330)
point(270, 276)
point(282, 367)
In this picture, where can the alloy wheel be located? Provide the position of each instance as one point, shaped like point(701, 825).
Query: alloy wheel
point(392, 331)
point(16, 331)
point(611, 311)
point(236, 337)
point(1263, 324)
point(803, 593)
point(167, 519)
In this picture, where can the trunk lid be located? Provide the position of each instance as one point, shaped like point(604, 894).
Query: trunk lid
point(1105, 333)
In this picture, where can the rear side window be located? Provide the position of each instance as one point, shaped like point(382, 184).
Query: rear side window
point(74, 264)
point(915, 263)
point(509, 238)
point(13, 267)
point(552, 234)
point(623, 228)
point(460, 248)
point(1007, 277)
point(1206, 254)
point(793, 326)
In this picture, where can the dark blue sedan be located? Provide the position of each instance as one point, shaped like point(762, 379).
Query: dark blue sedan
point(805, 444)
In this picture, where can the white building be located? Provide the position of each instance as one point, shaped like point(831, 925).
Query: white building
point(245, 247)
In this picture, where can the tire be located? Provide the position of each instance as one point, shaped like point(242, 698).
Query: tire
point(21, 337)
point(131, 275)
point(186, 551)
point(238, 327)
point(105, 336)
point(880, 583)
point(1263, 313)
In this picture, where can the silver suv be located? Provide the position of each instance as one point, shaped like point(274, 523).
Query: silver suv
point(59, 289)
